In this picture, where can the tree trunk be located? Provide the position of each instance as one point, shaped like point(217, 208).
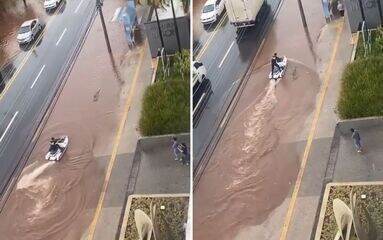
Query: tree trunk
point(159, 28)
point(176, 27)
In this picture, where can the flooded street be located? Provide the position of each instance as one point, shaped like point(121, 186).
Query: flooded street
point(50, 200)
point(257, 159)
point(250, 175)
point(56, 200)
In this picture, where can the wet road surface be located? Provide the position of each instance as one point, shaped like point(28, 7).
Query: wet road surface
point(33, 86)
point(58, 200)
point(227, 61)
point(255, 163)
point(246, 186)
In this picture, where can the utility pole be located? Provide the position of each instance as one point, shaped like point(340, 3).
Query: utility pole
point(303, 17)
point(99, 8)
point(176, 27)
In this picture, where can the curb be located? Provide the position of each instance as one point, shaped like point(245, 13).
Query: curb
point(128, 204)
point(154, 67)
point(354, 41)
point(142, 144)
point(324, 202)
point(342, 127)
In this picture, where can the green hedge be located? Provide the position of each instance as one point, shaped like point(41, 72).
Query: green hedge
point(165, 108)
point(362, 89)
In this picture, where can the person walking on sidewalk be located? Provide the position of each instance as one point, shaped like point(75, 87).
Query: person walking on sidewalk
point(184, 154)
point(175, 149)
point(340, 8)
point(356, 138)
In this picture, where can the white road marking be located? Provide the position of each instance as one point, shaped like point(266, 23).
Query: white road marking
point(62, 35)
point(116, 14)
point(9, 125)
point(78, 7)
point(224, 57)
point(38, 75)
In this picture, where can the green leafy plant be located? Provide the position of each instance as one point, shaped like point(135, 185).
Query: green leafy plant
point(165, 108)
point(361, 94)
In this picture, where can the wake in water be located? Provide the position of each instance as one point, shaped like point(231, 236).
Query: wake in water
point(51, 196)
point(257, 158)
point(257, 119)
point(255, 140)
point(38, 189)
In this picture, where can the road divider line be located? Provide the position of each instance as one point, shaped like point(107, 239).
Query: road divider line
point(61, 36)
point(78, 6)
point(310, 138)
point(204, 47)
point(9, 125)
point(227, 53)
point(25, 59)
point(132, 91)
point(37, 77)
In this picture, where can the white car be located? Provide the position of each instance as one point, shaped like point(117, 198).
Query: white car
point(201, 90)
point(199, 71)
point(51, 4)
point(28, 31)
point(212, 10)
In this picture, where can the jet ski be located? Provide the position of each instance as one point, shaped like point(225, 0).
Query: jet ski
point(56, 151)
point(276, 74)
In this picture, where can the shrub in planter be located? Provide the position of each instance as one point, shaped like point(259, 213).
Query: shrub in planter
point(361, 93)
point(165, 108)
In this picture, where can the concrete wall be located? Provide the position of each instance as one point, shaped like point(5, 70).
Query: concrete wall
point(354, 14)
point(371, 12)
point(168, 33)
point(147, 143)
point(359, 123)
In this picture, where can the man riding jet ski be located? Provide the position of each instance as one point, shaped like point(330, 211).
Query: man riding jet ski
point(278, 66)
point(57, 147)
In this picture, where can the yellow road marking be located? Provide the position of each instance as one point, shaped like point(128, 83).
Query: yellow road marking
point(211, 37)
point(92, 227)
point(318, 109)
point(29, 53)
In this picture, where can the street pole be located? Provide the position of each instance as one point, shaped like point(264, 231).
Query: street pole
point(159, 27)
point(99, 7)
point(176, 27)
point(303, 17)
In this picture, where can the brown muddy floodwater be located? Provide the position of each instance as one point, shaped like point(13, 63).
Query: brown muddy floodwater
point(57, 200)
point(51, 199)
point(256, 161)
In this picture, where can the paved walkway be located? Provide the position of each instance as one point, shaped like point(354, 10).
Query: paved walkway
point(304, 212)
point(351, 166)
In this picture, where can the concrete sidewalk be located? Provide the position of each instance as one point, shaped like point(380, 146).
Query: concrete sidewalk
point(309, 196)
point(350, 166)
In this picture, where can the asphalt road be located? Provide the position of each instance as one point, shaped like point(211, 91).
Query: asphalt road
point(227, 60)
point(37, 75)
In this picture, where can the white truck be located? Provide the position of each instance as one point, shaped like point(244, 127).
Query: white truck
point(243, 13)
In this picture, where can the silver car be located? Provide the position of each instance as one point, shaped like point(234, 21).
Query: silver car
point(29, 30)
point(51, 4)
